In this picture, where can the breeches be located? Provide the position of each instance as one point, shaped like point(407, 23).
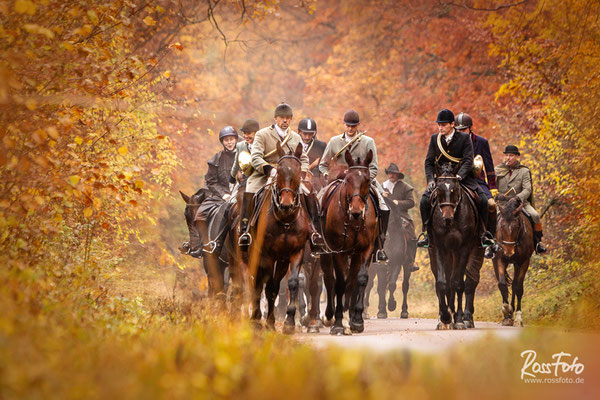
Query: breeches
point(535, 216)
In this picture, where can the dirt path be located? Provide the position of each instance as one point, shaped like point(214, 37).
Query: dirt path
point(412, 334)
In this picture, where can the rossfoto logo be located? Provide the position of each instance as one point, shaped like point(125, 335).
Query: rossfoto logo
point(560, 370)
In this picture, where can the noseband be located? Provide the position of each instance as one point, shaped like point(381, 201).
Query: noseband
point(278, 191)
point(519, 232)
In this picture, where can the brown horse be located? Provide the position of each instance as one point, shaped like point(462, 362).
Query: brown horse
point(455, 245)
point(280, 235)
point(350, 233)
point(515, 238)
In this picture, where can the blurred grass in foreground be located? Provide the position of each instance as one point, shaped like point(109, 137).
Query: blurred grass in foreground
point(61, 344)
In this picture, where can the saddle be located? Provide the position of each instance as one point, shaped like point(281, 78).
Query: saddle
point(326, 194)
point(258, 201)
point(472, 195)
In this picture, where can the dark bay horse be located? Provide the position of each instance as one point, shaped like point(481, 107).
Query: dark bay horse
point(280, 233)
point(396, 247)
point(515, 238)
point(455, 247)
point(350, 233)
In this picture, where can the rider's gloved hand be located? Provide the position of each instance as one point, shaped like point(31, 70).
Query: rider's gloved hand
point(430, 186)
point(267, 169)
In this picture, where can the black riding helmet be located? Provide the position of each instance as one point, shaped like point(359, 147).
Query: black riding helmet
point(445, 116)
point(307, 125)
point(227, 131)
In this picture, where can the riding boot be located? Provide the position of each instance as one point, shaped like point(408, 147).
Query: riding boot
point(487, 239)
point(537, 238)
point(245, 239)
point(380, 255)
point(425, 206)
point(411, 252)
point(492, 222)
point(216, 245)
point(317, 244)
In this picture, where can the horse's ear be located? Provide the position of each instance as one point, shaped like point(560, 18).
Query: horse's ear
point(298, 151)
point(368, 159)
point(518, 209)
point(348, 158)
point(280, 151)
point(185, 197)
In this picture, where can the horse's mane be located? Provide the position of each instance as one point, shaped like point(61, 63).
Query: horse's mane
point(509, 210)
point(447, 169)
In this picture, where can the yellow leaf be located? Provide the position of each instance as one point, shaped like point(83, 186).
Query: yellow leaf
point(149, 21)
point(25, 7)
point(167, 74)
point(78, 140)
point(210, 131)
point(31, 104)
point(176, 45)
point(159, 9)
point(88, 212)
point(74, 179)
point(139, 183)
point(122, 150)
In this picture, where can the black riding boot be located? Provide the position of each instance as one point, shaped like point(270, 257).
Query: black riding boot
point(380, 255)
point(245, 239)
point(425, 207)
point(317, 244)
point(487, 239)
point(539, 246)
point(491, 251)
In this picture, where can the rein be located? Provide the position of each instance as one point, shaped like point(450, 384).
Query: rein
point(460, 192)
point(276, 194)
point(519, 233)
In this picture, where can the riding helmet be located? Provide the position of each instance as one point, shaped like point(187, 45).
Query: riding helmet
point(227, 131)
point(445, 116)
point(307, 125)
point(283, 110)
point(463, 121)
point(351, 118)
point(250, 125)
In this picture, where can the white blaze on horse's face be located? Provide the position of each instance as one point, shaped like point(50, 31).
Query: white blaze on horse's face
point(447, 185)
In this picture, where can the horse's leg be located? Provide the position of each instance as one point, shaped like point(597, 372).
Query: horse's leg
point(392, 280)
point(313, 286)
point(518, 289)
point(357, 324)
point(382, 284)
point(294, 264)
point(472, 280)
point(282, 298)
point(440, 287)
point(458, 287)
point(257, 292)
point(340, 287)
point(271, 290)
point(329, 281)
point(500, 270)
point(372, 275)
point(405, 287)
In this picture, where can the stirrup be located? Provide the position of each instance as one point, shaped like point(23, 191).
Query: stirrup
point(316, 239)
point(381, 257)
point(196, 253)
point(245, 236)
point(490, 252)
point(424, 242)
point(487, 239)
point(212, 246)
point(540, 248)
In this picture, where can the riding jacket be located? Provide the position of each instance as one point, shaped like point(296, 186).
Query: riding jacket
point(358, 150)
point(217, 177)
point(487, 177)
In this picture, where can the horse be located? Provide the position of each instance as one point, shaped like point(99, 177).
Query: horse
point(350, 232)
point(280, 234)
point(515, 239)
point(397, 249)
point(455, 247)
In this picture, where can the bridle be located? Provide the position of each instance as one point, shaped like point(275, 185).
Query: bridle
point(349, 196)
point(277, 191)
point(460, 192)
point(518, 236)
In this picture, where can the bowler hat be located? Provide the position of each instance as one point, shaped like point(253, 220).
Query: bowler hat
point(510, 149)
point(250, 125)
point(394, 168)
point(351, 118)
point(283, 110)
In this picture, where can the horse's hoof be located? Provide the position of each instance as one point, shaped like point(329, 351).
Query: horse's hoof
point(442, 327)
point(469, 324)
point(357, 328)
point(337, 330)
point(507, 310)
point(312, 329)
point(392, 303)
point(507, 322)
point(304, 321)
point(289, 329)
point(404, 314)
point(347, 331)
point(327, 322)
point(459, 326)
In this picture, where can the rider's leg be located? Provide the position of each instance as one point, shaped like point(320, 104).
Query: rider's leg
point(216, 245)
point(537, 229)
point(245, 239)
point(316, 237)
point(487, 238)
point(425, 207)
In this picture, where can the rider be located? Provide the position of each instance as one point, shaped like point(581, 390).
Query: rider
point(514, 179)
point(457, 148)
point(314, 148)
point(401, 195)
point(216, 179)
point(360, 148)
point(483, 169)
point(264, 158)
point(249, 129)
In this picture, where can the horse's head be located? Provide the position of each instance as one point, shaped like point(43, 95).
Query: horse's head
point(509, 226)
point(289, 170)
point(358, 181)
point(192, 203)
point(448, 192)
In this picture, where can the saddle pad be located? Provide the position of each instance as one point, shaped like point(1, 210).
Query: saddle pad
point(325, 195)
point(259, 200)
